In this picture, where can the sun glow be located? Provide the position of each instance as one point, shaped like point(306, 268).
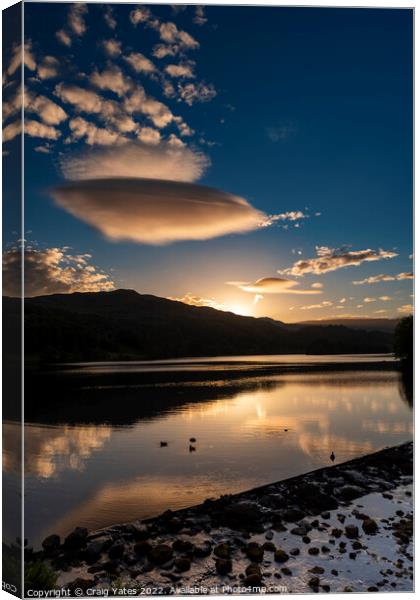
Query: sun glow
point(242, 309)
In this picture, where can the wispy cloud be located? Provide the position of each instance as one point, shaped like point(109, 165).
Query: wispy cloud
point(331, 259)
point(280, 133)
point(383, 277)
point(273, 285)
point(406, 309)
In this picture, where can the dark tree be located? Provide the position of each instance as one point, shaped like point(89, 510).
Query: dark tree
point(404, 349)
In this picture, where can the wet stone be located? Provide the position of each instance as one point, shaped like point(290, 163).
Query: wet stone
point(160, 554)
point(369, 526)
point(182, 564)
point(281, 556)
point(223, 566)
point(352, 531)
point(313, 550)
point(222, 551)
point(295, 551)
point(51, 544)
point(269, 546)
point(317, 570)
point(116, 551)
point(254, 552)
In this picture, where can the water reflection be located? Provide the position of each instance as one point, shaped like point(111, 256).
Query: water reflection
point(248, 434)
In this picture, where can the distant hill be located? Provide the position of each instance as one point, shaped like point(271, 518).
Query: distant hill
point(369, 324)
point(124, 325)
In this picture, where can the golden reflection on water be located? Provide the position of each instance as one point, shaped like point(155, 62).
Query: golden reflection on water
point(96, 475)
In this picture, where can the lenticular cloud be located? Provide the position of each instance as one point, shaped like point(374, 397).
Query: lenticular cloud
point(155, 211)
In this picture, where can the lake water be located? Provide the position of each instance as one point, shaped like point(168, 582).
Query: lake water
point(100, 461)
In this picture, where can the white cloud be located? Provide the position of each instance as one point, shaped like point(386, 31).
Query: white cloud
point(76, 20)
point(383, 277)
point(93, 135)
point(48, 111)
point(406, 309)
point(136, 160)
point(196, 92)
point(317, 285)
point(184, 70)
point(164, 50)
point(48, 68)
point(156, 211)
point(113, 79)
point(19, 54)
point(140, 63)
point(111, 47)
point(148, 135)
point(37, 129)
point(63, 37)
point(385, 298)
point(84, 100)
point(51, 271)
point(331, 259)
point(141, 14)
point(369, 300)
point(109, 17)
point(200, 17)
point(289, 216)
point(11, 131)
point(139, 102)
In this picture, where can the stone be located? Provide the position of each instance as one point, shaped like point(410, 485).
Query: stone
point(269, 546)
point(357, 545)
point(253, 580)
point(313, 550)
point(325, 549)
point(223, 566)
point(306, 539)
point(301, 531)
point(202, 550)
point(352, 555)
point(254, 552)
point(326, 515)
point(269, 535)
point(281, 556)
point(314, 583)
point(336, 532)
point(77, 539)
point(372, 588)
point(351, 531)
point(222, 551)
point(253, 568)
point(286, 571)
point(369, 526)
point(142, 548)
point(326, 587)
point(116, 551)
point(93, 552)
point(350, 492)
point(317, 570)
point(295, 551)
point(183, 546)
point(334, 572)
point(160, 554)
point(51, 544)
point(242, 515)
point(292, 515)
point(182, 564)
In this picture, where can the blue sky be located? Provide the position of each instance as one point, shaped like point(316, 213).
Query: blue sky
point(306, 114)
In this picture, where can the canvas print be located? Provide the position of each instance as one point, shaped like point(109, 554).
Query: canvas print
point(207, 299)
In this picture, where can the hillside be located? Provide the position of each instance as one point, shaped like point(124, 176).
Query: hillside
point(124, 324)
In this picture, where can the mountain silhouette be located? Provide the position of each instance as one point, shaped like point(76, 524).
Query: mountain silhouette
point(125, 325)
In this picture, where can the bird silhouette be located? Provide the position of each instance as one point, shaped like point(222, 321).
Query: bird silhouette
point(163, 444)
point(193, 439)
point(286, 430)
point(332, 456)
point(192, 448)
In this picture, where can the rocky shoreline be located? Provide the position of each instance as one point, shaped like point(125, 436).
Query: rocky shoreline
point(346, 527)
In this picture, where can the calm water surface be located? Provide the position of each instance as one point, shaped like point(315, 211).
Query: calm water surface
point(109, 467)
